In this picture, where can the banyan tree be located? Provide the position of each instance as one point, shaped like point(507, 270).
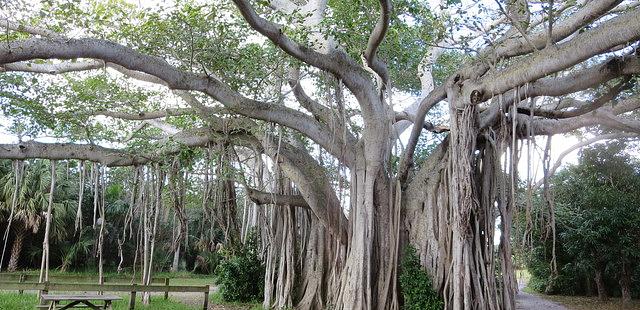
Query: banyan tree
point(301, 107)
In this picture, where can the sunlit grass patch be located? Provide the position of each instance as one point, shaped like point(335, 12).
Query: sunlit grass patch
point(15, 301)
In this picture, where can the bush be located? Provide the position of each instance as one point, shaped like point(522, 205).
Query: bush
point(415, 284)
point(206, 262)
point(241, 276)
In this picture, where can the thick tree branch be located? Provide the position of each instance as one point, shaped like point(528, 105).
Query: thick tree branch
point(559, 86)
point(428, 126)
point(61, 151)
point(605, 116)
point(318, 110)
point(16, 26)
point(312, 181)
point(583, 46)
point(508, 48)
point(274, 33)
point(376, 38)
point(265, 198)
point(58, 68)
point(336, 61)
point(591, 11)
point(141, 116)
point(580, 107)
point(427, 103)
point(38, 48)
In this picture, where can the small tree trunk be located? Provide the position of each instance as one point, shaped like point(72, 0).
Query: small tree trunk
point(602, 293)
point(625, 284)
point(44, 265)
point(176, 259)
point(16, 249)
point(101, 233)
point(18, 169)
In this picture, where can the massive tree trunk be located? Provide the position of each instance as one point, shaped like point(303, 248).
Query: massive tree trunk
point(16, 248)
point(368, 278)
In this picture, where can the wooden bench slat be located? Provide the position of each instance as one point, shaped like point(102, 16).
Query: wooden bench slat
point(91, 287)
point(73, 297)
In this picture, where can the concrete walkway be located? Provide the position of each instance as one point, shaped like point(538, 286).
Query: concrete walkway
point(526, 301)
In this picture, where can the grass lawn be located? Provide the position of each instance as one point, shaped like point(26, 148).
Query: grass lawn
point(14, 301)
point(177, 301)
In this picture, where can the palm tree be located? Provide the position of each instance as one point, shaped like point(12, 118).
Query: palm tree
point(31, 205)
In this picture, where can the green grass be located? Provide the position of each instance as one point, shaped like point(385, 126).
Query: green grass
point(14, 301)
point(216, 299)
point(11, 300)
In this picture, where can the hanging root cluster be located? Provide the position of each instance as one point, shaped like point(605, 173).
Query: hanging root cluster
point(467, 201)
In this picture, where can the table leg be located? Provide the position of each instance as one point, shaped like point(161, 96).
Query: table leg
point(69, 305)
point(90, 305)
point(107, 304)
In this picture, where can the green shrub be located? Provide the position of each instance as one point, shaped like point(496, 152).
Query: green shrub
point(416, 285)
point(241, 276)
point(206, 262)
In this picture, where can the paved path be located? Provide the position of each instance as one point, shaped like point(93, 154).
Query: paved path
point(526, 301)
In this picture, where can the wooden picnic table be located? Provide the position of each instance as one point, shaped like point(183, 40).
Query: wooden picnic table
point(79, 301)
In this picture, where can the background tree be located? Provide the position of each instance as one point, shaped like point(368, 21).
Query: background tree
point(597, 221)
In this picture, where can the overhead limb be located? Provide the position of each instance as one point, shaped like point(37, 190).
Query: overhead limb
point(20, 27)
point(508, 48)
point(558, 86)
point(426, 104)
point(312, 181)
point(318, 110)
point(167, 128)
point(57, 68)
point(579, 107)
point(141, 116)
point(42, 48)
point(591, 11)
point(61, 151)
point(581, 144)
point(428, 126)
point(197, 137)
point(375, 39)
point(265, 198)
point(583, 46)
point(567, 27)
point(336, 61)
point(274, 33)
point(605, 116)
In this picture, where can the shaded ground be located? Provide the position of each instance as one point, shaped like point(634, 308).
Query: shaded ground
point(592, 303)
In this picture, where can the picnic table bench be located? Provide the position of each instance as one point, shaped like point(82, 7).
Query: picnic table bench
point(78, 301)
